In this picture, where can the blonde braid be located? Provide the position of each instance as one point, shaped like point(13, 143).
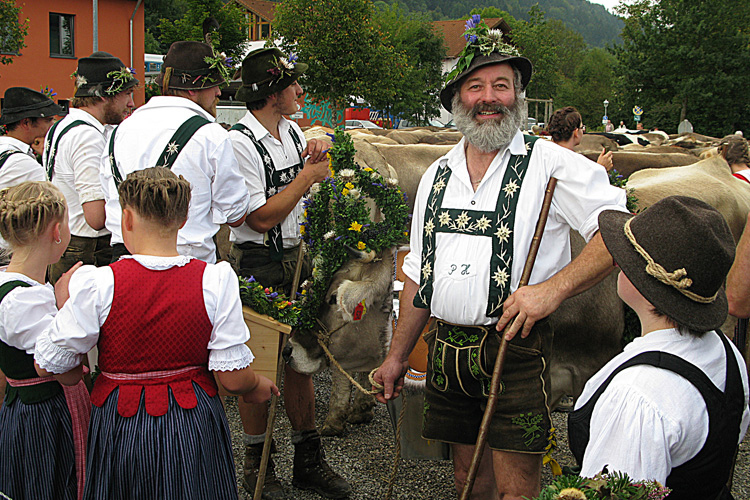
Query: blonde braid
point(157, 194)
point(27, 210)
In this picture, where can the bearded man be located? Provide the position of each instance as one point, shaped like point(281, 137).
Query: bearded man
point(73, 150)
point(474, 218)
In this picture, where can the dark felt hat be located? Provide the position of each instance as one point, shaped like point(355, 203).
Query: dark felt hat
point(519, 62)
point(191, 65)
point(101, 74)
point(21, 102)
point(265, 71)
point(677, 253)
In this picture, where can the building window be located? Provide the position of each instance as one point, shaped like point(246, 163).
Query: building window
point(61, 40)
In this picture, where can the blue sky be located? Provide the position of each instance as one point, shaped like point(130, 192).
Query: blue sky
point(609, 4)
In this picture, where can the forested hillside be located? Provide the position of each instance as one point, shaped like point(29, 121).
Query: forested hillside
point(597, 26)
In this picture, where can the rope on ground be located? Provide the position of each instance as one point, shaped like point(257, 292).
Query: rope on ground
point(379, 388)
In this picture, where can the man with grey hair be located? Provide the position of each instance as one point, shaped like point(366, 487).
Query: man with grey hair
point(474, 217)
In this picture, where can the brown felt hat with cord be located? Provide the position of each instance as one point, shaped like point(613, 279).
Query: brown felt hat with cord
point(266, 71)
point(677, 254)
point(185, 67)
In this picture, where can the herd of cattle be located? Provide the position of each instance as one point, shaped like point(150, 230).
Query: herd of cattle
point(588, 327)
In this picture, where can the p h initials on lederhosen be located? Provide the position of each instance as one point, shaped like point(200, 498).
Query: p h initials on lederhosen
point(274, 180)
point(498, 225)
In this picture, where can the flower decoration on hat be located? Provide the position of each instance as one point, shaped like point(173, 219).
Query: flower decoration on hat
point(80, 79)
point(337, 220)
point(282, 68)
point(221, 63)
point(481, 40)
point(49, 92)
point(120, 79)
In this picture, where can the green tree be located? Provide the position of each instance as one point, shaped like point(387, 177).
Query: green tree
point(418, 86)
point(591, 84)
point(155, 11)
point(348, 55)
point(535, 40)
point(232, 31)
point(685, 59)
point(13, 31)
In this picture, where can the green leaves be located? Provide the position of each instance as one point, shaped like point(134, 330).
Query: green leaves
point(13, 31)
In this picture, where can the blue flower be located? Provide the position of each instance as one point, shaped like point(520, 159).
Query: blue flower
point(132, 71)
point(471, 38)
point(473, 22)
point(333, 137)
point(251, 279)
point(273, 295)
point(293, 58)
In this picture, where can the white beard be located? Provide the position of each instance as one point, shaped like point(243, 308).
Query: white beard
point(491, 135)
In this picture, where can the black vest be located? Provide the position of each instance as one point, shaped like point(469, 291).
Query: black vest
point(703, 477)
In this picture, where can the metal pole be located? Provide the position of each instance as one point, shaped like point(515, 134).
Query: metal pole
point(132, 64)
point(96, 24)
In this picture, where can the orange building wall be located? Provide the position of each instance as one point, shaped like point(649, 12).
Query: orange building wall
point(34, 68)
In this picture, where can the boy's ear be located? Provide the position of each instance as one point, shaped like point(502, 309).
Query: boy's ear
point(127, 219)
point(183, 223)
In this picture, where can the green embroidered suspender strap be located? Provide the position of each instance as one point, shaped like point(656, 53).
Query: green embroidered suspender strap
point(172, 150)
point(274, 180)
point(7, 154)
point(18, 364)
point(497, 225)
point(50, 153)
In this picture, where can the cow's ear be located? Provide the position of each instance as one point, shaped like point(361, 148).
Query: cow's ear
point(332, 300)
point(360, 255)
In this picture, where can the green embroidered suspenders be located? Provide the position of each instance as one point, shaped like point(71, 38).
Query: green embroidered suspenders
point(174, 146)
point(274, 180)
point(7, 154)
point(497, 225)
point(50, 153)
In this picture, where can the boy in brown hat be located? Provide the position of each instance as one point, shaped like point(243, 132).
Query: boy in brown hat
point(73, 151)
point(279, 166)
point(674, 405)
point(178, 130)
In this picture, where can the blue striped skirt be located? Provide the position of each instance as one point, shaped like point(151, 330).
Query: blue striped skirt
point(182, 455)
point(36, 451)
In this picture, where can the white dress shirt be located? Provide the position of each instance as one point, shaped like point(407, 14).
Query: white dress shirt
point(583, 191)
point(76, 328)
point(650, 420)
point(77, 167)
point(284, 155)
point(25, 312)
point(207, 162)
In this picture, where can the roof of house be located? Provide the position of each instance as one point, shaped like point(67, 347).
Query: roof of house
point(453, 33)
point(262, 8)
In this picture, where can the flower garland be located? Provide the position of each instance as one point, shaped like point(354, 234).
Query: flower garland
point(481, 40)
point(605, 485)
point(337, 220)
point(616, 179)
point(266, 301)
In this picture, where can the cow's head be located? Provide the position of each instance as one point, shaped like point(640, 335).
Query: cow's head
point(356, 314)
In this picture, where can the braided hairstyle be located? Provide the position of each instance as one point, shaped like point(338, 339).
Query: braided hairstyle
point(158, 195)
point(563, 123)
point(734, 149)
point(27, 210)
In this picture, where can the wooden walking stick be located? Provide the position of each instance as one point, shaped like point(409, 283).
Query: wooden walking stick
point(489, 411)
point(279, 371)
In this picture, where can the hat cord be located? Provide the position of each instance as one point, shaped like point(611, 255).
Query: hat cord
point(677, 279)
point(165, 79)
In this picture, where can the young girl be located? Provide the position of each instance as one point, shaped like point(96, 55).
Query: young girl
point(161, 321)
point(42, 425)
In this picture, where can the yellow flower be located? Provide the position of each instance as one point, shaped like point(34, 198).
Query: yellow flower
point(302, 230)
point(367, 169)
point(305, 213)
point(356, 226)
point(361, 245)
point(571, 494)
point(349, 185)
point(345, 191)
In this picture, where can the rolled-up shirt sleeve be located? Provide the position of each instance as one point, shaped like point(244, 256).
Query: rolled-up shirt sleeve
point(75, 329)
point(221, 292)
point(86, 157)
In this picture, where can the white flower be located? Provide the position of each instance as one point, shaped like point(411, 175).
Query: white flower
point(346, 173)
point(462, 220)
point(500, 276)
point(317, 261)
point(495, 36)
point(444, 218)
point(426, 270)
point(428, 227)
point(439, 185)
point(286, 63)
point(329, 235)
point(81, 81)
point(271, 191)
point(392, 181)
point(172, 148)
point(511, 188)
point(315, 188)
point(503, 232)
point(317, 274)
point(483, 223)
point(354, 193)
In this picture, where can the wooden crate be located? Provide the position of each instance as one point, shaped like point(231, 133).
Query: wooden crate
point(265, 333)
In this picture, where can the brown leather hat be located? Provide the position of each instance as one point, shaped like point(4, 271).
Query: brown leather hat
point(677, 253)
point(191, 65)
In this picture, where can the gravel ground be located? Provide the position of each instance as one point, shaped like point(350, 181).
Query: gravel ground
point(365, 457)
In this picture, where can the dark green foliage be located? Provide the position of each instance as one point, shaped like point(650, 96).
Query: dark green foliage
point(13, 31)
point(686, 59)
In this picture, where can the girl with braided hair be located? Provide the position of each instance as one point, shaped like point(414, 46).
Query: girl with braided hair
point(43, 424)
point(162, 323)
